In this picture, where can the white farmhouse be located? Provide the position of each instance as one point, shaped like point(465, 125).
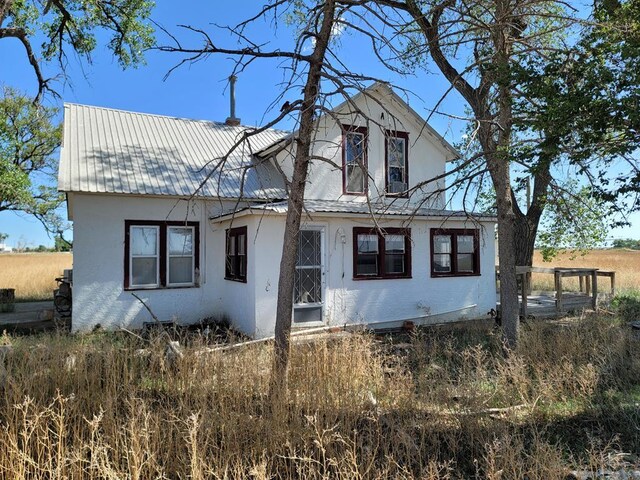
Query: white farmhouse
point(163, 210)
point(4, 248)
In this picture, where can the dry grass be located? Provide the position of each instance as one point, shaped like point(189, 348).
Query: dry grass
point(626, 264)
point(32, 274)
point(96, 407)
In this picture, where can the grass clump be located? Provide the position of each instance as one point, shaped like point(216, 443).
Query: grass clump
point(627, 306)
point(444, 404)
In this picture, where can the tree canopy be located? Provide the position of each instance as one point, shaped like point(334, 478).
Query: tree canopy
point(534, 79)
point(29, 136)
point(626, 243)
point(50, 31)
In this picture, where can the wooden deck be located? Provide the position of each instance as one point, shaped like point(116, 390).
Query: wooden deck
point(544, 305)
point(559, 302)
point(29, 317)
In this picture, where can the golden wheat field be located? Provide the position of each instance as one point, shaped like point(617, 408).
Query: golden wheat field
point(33, 274)
point(626, 264)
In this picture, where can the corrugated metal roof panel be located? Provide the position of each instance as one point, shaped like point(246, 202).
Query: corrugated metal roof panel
point(361, 208)
point(115, 151)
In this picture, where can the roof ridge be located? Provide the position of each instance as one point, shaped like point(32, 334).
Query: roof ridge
point(171, 117)
point(122, 110)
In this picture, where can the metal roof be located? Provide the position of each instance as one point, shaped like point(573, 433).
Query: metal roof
point(114, 151)
point(358, 208)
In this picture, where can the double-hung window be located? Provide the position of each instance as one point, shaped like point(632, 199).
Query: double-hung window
point(236, 255)
point(454, 252)
point(145, 256)
point(160, 254)
point(180, 266)
point(381, 254)
point(354, 158)
point(397, 162)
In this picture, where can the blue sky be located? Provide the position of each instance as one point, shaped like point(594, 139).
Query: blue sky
point(199, 90)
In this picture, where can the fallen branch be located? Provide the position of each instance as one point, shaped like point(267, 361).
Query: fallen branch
point(134, 334)
point(153, 315)
point(332, 328)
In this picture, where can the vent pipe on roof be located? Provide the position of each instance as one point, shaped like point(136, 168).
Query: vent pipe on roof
point(232, 120)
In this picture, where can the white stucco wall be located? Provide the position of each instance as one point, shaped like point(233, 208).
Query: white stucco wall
point(99, 296)
point(427, 157)
point(98, 270)
point(421, 298)
point(237, 299)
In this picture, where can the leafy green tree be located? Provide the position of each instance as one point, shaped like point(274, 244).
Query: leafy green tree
point(29, 136)
point(51, 30)
point(578, 108)
point(61, 245)
point(626, 243)
point(530, 80)
point(575, 116)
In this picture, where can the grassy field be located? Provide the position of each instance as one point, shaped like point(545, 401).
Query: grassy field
point(626, 264)
point(442, 404)
point(32, 274)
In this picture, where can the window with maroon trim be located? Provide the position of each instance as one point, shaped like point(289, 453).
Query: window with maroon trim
point(236, 255)
point(454, 252)
point(381, 254)
point(161, 254)
point(354, 160)
point(397, 163)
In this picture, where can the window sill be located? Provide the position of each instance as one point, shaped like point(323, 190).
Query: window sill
point(449, 275)
point(355, 194)
point(177, 287)
point(397, 195)
point(387, 277)
point(237, 280)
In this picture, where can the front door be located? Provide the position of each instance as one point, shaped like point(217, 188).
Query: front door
point(308, 286)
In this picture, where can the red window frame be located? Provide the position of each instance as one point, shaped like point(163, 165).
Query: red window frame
point(453, 233)
point(396, 134)
point(346, 129)
point(406, 232)
point(162, 253)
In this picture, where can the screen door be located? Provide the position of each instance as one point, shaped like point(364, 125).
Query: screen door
point(308, 291)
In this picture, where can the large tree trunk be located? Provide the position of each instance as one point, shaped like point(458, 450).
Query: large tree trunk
point(496, 145)
point(525, 239)
point(526, 224)
point(509, 304)
point(494, 113)
point(284, 310)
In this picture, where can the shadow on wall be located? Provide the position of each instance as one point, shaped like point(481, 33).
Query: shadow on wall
point(108, 305)
point(171, 171)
